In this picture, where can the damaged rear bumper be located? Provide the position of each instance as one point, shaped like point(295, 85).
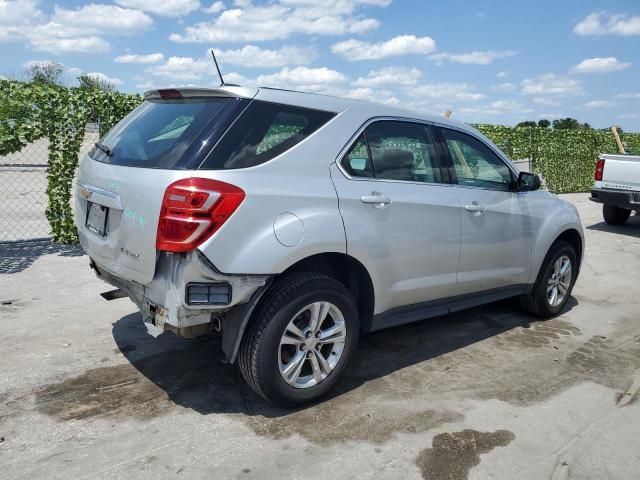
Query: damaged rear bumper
point(163, 302)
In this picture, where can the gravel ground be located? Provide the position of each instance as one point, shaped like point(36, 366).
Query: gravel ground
point(487, 393)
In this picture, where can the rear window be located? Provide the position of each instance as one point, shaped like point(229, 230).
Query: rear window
point(264, 131)
point(159, 132)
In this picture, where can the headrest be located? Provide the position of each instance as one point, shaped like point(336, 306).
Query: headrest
point(394, 159)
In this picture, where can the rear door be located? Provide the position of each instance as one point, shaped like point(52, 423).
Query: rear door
point(401, 220)
point(498, 224)
point(121, 183)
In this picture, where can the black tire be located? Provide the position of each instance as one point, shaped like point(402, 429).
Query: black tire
point(536, 301)
point(258, 355)
point(615, 215)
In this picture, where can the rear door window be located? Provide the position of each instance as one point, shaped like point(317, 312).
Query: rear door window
point(264, 131)
point(159, 132)
point(394, 150)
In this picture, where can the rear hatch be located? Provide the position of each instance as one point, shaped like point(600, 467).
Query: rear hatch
point(122, 181)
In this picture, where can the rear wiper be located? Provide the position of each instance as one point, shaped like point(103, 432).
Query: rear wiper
point(105, 149)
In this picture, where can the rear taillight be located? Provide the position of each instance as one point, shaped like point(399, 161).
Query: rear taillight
point(192, 210)
point(599, 170)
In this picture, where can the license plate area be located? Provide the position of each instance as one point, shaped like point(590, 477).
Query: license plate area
point(97, 218)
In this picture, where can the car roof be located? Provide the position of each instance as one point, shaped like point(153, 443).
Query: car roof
point(313, 100)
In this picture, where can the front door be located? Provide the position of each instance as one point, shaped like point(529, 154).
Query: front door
point(401, 221)
point(498, 227)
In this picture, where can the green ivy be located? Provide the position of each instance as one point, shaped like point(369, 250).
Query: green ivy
point(30, 111)
point(565, 159)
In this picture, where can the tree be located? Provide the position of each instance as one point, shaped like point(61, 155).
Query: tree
point(570, 124)
point(544, 123)
point(92, 82)
point(45, 72)
point(528, 123)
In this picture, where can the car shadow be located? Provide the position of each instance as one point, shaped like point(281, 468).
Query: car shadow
point(630, 229)
point(194, 375)
point(20, 255)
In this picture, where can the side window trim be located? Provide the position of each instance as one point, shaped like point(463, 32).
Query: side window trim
point(451, 169)
point(447, 170)
point(428, 126)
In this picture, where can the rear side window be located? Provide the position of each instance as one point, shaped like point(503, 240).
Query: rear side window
point(264, 131)
point(394, 150)
point(158, 133)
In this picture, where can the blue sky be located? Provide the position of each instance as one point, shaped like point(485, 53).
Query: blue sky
point(494, 61)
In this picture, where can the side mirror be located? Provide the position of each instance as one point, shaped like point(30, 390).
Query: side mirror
point(528, 182)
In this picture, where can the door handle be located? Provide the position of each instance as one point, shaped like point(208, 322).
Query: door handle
point(475, 208)
point(376, 199)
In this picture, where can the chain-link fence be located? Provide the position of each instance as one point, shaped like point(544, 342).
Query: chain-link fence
point(23, 189)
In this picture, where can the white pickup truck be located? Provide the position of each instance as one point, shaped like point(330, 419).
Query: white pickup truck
point(617, 187)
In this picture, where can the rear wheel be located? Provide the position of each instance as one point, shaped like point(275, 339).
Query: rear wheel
point(299, 342)
point(555, 282)
point(615, 215)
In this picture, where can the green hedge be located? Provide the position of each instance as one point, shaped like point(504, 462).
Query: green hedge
point(30, 111)
point(565, 159)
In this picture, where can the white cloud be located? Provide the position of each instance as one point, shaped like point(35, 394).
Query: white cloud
point(165, 8)
point(597, 104)
point(94, 19)
point(183, 69)
point(187, 69)
point(145, 86)
point(446, 91)
point(603, 23)
point(474, 58)
point(551, 84)
point(628, 95)
point(504, 87)
point(600, 65)
point(501, 74)
point(302, 76)
point(385, 97)
point(278, 20)
point(133, 58)
point(101, 76)
point(389, 76)
point(17, 18)
point(546, 101)
point(81, 30)
point(353, 49)
point(215, 7)
point(252, 56)
point(497, 108)
point(70, 45)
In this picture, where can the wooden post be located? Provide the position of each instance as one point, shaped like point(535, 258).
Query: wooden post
point(614, 130)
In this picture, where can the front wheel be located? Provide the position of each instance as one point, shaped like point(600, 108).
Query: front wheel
point(615, 215)
point(555, 282)
point(300, 340)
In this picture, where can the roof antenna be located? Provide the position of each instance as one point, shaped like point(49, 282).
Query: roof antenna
point(222, 84)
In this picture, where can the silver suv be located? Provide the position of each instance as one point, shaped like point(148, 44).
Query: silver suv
point(289, 224)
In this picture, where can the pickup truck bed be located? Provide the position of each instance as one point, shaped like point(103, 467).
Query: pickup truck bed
point(617, 186)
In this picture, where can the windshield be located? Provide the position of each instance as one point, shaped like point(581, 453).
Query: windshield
point(158, 133)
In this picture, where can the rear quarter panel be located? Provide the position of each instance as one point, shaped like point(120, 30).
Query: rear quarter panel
point(297, 182)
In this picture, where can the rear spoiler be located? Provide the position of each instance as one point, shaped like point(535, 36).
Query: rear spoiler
point(187, 92)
